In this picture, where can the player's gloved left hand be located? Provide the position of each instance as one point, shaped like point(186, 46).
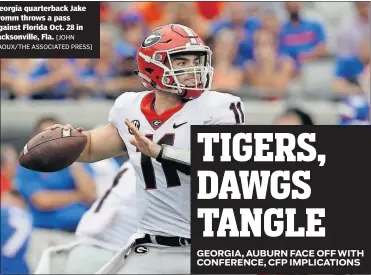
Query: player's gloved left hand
point(144, 144)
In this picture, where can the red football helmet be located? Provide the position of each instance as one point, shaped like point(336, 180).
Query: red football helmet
point(155, 66)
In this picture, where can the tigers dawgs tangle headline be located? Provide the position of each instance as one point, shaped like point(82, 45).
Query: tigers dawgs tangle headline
point(255, 184)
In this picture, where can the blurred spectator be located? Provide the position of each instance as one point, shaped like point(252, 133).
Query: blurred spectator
point(53, 81)
point(244, 28)
point(294, 116)
point(210, 10)
point(127, 68)
point(260, 9)
point(353, 52)
point(114, 74)
point(353, 31)
point(349, 69)
point(17, 75)
point(108, 78)
point(192, 14)
point(104, 69)
point(300, 38)
point(186, 13)
point(354, 110)
point(9, 160)
point(83, 69)
point(237, 20)
point(254, 9)
point(32, 79)
point(269, 71)
point(106, 65)
point(16, 226)
point(365, 82)
point(104, 172)
point(13, 198)
point(227, 77)
point(6, 79)
point(105, 12)
point(16, 223)
point(56, 200)
point(132, 30)
point(154, 13)
point(271, 23)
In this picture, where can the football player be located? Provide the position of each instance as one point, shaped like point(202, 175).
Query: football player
point(154, 127)
point(103, 230)
point(16, 222)
point(16, 227)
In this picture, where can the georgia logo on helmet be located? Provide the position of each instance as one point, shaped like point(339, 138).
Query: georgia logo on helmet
point(158, 48)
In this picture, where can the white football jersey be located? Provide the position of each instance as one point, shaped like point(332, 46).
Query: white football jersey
point(112, 218)
point(105, 172)
point(163, 193)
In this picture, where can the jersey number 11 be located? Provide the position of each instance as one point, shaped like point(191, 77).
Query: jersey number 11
point(171, 174)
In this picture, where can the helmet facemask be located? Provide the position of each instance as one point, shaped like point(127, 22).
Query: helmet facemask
point(197, 75)
point(191, 80)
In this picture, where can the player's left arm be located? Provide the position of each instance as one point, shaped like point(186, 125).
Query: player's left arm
point(180, 159)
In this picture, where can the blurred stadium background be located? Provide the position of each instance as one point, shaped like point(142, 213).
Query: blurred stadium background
point(310, 56)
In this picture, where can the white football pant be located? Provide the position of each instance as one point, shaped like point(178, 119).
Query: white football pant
point(149, 259)
point(79, 257)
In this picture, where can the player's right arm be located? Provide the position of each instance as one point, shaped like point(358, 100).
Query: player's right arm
point(102, 143)
point(180, 159)
point(105, 142)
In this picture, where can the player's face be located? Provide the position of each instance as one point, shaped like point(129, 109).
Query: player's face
point(187, 76)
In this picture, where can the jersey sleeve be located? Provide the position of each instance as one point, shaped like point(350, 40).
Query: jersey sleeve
point(226, 109)
point(119, 109)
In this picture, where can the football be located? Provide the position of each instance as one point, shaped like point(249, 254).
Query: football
point(52, 150)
